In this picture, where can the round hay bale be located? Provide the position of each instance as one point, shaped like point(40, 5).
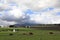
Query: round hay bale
point(24, 33)
point(11, 34)
point(30, 33)
point(51, 33)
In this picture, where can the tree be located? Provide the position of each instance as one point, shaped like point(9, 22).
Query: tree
point(12, 26)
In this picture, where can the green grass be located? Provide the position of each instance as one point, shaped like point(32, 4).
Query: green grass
point(37, 34)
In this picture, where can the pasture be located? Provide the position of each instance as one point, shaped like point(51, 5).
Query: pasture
point(25, 34)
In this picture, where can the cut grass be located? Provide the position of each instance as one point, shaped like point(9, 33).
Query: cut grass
point(37, 34)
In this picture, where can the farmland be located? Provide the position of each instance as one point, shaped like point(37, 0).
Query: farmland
point(24, 34)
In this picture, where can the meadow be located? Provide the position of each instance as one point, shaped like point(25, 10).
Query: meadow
point(25, 34)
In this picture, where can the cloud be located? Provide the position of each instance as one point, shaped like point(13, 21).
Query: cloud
point(40, 4)
point(2, 22)
point(32, 11)
point(46, 16)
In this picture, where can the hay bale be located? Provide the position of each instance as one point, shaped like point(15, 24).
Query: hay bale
point(24, 33)
point(30, 33)
point(51, 33)
point(11, 34)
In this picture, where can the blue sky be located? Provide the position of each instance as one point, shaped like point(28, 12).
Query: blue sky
point(32, 11)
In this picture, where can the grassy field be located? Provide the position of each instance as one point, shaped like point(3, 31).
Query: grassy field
point(37, 34)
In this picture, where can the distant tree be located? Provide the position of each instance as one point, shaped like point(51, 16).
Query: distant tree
point(12, 26)
point(57, 25)
point(0, 26)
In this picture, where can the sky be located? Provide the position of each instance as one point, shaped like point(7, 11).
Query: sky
point(32, 11)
